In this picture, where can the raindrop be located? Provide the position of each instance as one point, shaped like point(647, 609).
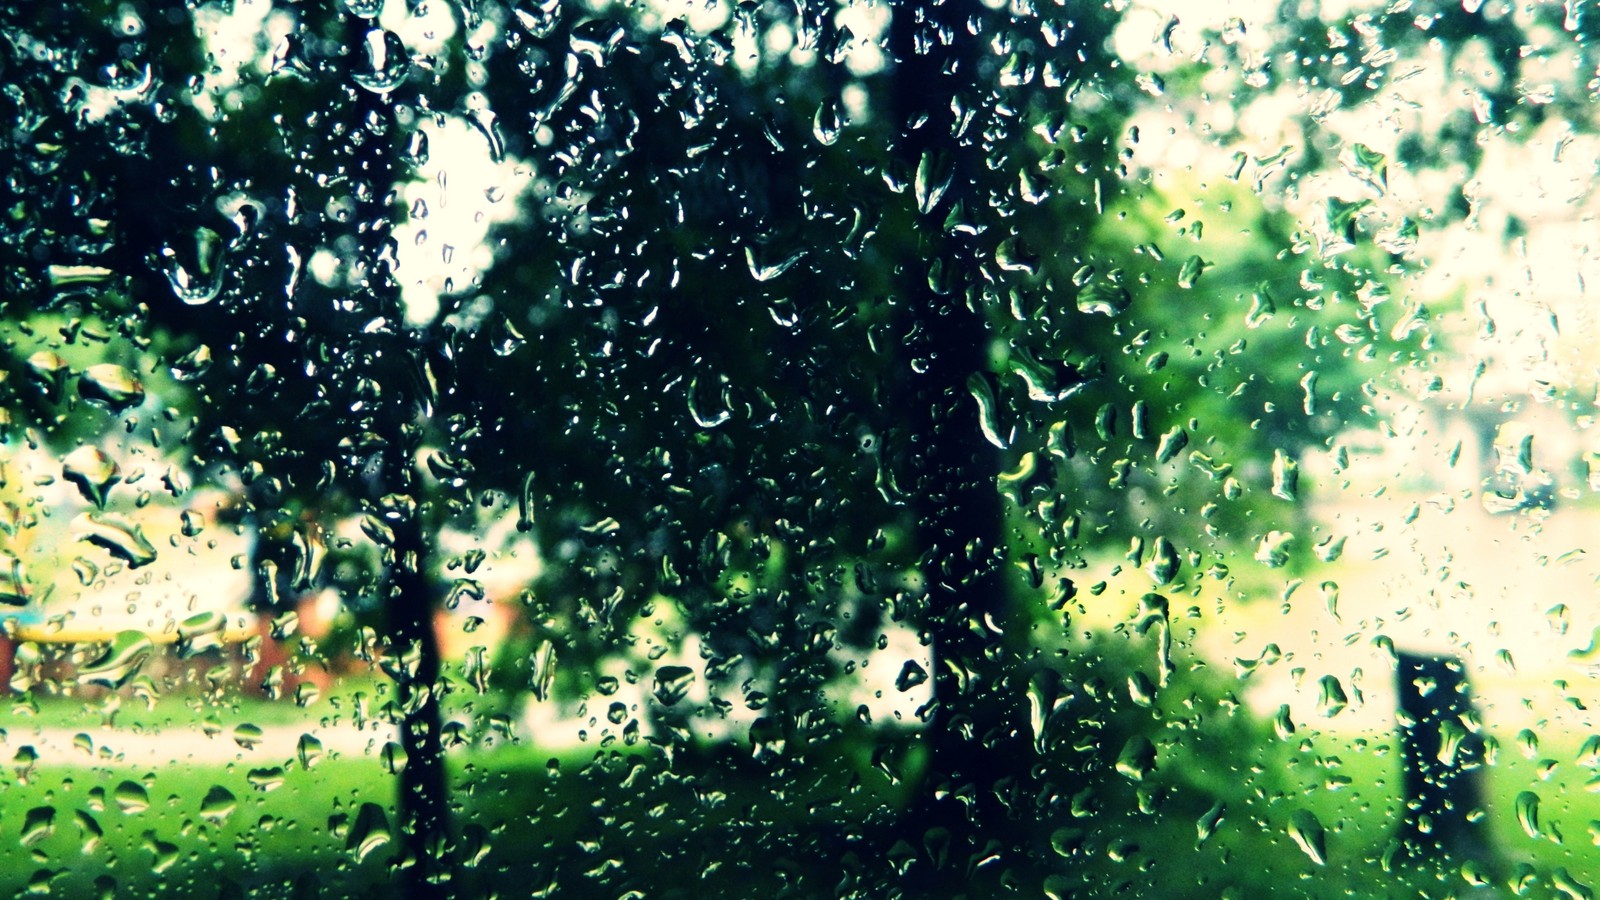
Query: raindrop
point(131, 797)
point(538, 17)
point(988, 415)
point(911, 675)
point(49, 371)
point(764, 270)
point(368, 833)
point(672, 684)
point(195, 268)
point(1308, 833)
point(1208, 823)
point(1285, 476)
point(827, 124)
point(934, 174)
point(218, 804)
point(1331, 699)
point(124, 540)
point(93, 472)
point(1164, 562)
point(1137, 759)
point(201, 632)
point(13, 582)
point(111, 385)
point(1527, 806)
point(387, 63)
point(1190, 272)
point(1104, 299)
point(120, 661)
point(38, 824)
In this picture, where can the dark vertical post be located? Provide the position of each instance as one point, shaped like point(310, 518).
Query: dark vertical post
point(1442, 758)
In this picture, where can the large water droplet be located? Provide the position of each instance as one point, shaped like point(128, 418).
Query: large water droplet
point(49, 372)
point(93, 472)
point(934, 174)
point(1206, 826)
point(672, 683)
point(386, 62)
point(38, 824)
point(1309, 834)
point(218, 804)
point(1527, 806)
point(194, 267)
point(201, 632)
point(369, 832)
point(1331, 699)
point(131, 797)
point(1285, 476)
point(123, 539)
point(1137, 759)
point(122, 660)
point(112, 385)
point(538, 17)
point(1103, 298)
point(13, 582)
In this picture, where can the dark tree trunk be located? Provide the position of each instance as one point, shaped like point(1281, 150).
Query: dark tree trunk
point(974, 819)
point(1442, 761)
point(393, 493)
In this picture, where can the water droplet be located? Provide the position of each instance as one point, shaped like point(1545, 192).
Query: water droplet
point(111, 385)
point(120, 661)
point(1137, 759)
point(1208, 823)
point(131, 797)
point(218, 804)
point(201, 632)
point(1273, 549)
point(308, 751)
point(543, 677)
point(195, 267)
point(1309, 834)
point(1527, 806)
point(1171, 444)
point(1191, 270)
point(89, 830)
point(1103, 298)
point(124, 540)
point(13, 581)
point(672, 684)
point(386, 62)
point(1331, 699)
point(93, 472)
point(365, 9)
point(988, 415)
point(708, 401)
point(368, 833)
point(1285, 476)
point(538, 17)
point(38, 824)
point(911, 675)
point(270, 778)
point(827, 125)
point(934, 174)
point(1368, 165)
point(247, 735)
point(1164, 562)
point(763, 269)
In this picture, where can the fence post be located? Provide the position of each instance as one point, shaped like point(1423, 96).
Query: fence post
point(1443, 756)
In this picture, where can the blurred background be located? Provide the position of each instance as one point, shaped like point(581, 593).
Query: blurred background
point(870, 449)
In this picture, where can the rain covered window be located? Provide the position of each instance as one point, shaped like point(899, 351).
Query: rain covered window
point(820, 449)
